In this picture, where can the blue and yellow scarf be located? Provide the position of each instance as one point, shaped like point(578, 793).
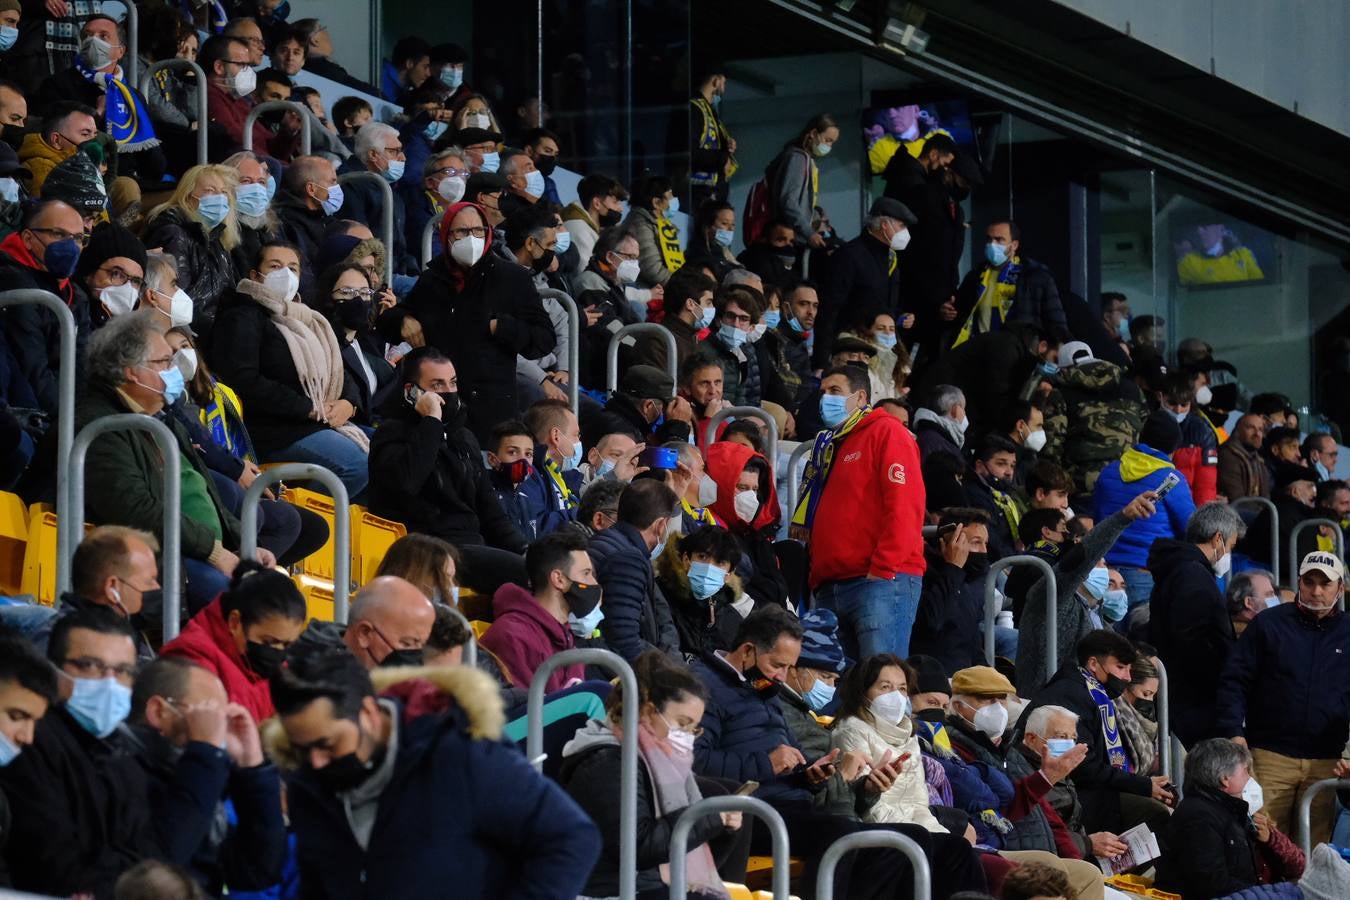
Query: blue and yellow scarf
point(1115, 748)
point(128, 121)
point(818, 467)
point(566, 498)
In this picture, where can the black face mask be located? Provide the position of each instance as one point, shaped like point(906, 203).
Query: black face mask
point(610, 218)
point(13, 135)
point(345, 773)
point(152, 609)
point(401, 657)
point(542, 263)
point(582, 597)
point(264, 660)
point(1114, 686)
point(449, 405)
point(546, 165)
point(1146, 709)
point(766, 687)
point(977, 564)
point(516, 471)
point(354, 313)
point(936, 715)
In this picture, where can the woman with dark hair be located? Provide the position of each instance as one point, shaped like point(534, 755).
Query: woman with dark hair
point(242, 636)
point(793, 178)
point(710, 241)
point(694, 574)
point(345, 296)
point(1138, 715)
point(671, 701)
point(659, 253)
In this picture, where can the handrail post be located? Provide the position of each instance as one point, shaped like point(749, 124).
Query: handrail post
point(679, 839)
point(573, 360)
point(428, 235)
point(894, 840)
point(148, 84)
point(133, 27)
point(342, 523)
point(1164, 709)
point(387, 223)
point(794, 476)
point(991, 608)
point(306, 145)
point(66, 530)
point(171, 542)
point(1266, 504)
point(471, 648)
point(1295, 559)
point(628, 747)
point(1303, 820)
point(746, 412)
point(612, 352)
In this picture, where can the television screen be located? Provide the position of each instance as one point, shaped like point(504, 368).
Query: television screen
point(1211, 248)
point(888, 128)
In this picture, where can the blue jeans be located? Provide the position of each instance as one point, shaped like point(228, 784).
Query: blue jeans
point(1005, 642)
point(1138, 584)
point(335, 452)
point(204, 583)
point(875, 616)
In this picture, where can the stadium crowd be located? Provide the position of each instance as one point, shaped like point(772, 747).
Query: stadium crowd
point(821, 647)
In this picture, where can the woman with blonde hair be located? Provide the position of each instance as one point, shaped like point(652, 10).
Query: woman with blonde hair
point(429, 563)
point(199, 227)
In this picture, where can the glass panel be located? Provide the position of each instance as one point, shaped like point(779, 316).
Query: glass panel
point(1125, 240)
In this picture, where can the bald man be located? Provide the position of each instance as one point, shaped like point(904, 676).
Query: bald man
point(389, 623)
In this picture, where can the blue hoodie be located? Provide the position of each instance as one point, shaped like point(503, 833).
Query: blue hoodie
point(1139, 469)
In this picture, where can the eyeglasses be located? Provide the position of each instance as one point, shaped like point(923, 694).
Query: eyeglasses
point(733, 319)
point(93, 667)
point(624, 257)
point(394, 153)
point(351, 293)
point(460, 234)
point(62, 235)
point(118, 276)
point(451, 172)
point(162, 363)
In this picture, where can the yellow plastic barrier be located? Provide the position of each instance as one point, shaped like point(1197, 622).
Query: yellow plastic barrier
point(319, 564)
point(371, 540)
point(318, 596)
point(13, 542)
point(39, 558)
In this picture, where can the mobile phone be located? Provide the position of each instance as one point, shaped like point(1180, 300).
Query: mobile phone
point(659, 458)
point(747, 789)
point(947, 529)
point(1171, 481)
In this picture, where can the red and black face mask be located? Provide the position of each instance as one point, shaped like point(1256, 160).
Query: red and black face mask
point(517, 471)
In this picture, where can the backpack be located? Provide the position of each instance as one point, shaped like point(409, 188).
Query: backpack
point(758, 212)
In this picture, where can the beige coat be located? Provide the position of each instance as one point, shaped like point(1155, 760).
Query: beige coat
point(906, 802)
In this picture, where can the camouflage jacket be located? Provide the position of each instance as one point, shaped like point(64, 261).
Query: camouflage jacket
point(1099, 414)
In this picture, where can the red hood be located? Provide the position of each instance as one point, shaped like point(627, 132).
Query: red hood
point(512, 599)
point(14, 247)
point(213, 624)
point(726, 462)
point(449, 216)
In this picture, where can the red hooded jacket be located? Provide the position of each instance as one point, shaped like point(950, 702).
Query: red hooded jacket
point(207, 641)
point(869, 519)
point(726, 462)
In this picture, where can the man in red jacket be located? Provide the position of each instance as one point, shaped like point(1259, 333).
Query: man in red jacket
point(861, 512)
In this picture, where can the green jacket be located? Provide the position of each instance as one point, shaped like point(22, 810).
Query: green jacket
point(839, 797)
point(123, 482)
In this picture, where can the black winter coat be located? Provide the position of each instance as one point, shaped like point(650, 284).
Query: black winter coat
point(703, 625)
point(947, 626)
point(33, 334)
point(455, 317)
point(1036, 301)
point(205, 269)
point(251, 356)
point(637, 617)
point(592, 780)
point(1189, 624)
point(1209, 847)
point(303, 227)
point(930, 267)
point(431, 478)
point(364, 202)
point(860, 284)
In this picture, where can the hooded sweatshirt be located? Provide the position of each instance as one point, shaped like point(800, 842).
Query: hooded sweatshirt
point(524, 634)
point(1141, 468)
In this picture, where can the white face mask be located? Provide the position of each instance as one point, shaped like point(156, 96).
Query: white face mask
point(707, 491)
point(628, 271)
point(1203, 395)
point(467, 250)
point(746, 505)
point(1223, 564)
point(281, 284)
point(1255, 797)
point(991, 720)
point(900, 240)
point(477, 120)
point(118, 298)
point(180, 307)
point(245, 80)
point(890, 707)
point(186, 362)
point(1036, 440)
point(451, 189)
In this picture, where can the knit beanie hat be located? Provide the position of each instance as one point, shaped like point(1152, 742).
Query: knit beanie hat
point(76, 180)
point(1161, 432)
point(106, 241)
point(1327, 876)
point(11, 6)
point(931, 677)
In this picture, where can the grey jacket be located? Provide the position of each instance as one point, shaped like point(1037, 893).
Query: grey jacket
point(790, 190)
point(651, 264)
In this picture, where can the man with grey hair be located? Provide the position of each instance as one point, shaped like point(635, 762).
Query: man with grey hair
point(378, 150)
point(740, 275)
point(131, 370)
point(524, 182)
point(308, 199)
point(1249, 593)
point(864, 276)
point(1189, 621)
point(940, 426)
point(444, 180)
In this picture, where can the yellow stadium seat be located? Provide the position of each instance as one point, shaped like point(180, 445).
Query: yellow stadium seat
point(738, 891)
point(39, 558)
point(320, 563)
point(479, 628)
point(759, 871)
point(318, 596)
point(13, 542)
point(371, 539)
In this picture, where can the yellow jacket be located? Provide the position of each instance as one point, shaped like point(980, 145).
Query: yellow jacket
point(38, 158)
point(1237, 264)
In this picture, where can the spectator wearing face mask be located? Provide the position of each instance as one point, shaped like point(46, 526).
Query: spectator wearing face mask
point(553, 489)
point(1023, 423)
point(596, 208)
point(306, 202)
point(989, 488)
point(1294, 493)
point(940, 426)
point(230, 82)
point(751, 377)
point(378, 149)
point(659, 251)
point(1188, 616)
point(696, 577)
point(1005, 288)
point(66, 128)
point(1197, 456)
point(256, 220)
point(747, 501)
point(112, 271)
point(1139, 714)
point(444, 179)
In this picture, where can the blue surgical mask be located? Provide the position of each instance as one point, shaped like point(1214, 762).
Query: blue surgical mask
point(796, 326)
point(833, 409)
point(1098, 580)
point(251, 199)
point(334, 201)
point(673, 207)
point(820, 695)
point(705, 316)
point(8, 36)
point(534, 183)
point(271, 187)
point(491, 161)
point(705, 579)
point(452, 77)
point(606, 466)
point(99, 704)
point(1057, 747)
point(9, 751)
point(732, 336)
point(1115, 604)
point(1123, 329)
point(571, 462)
point(395, 170)
point(9, 190)
point(564, 242)
point(996, 254)
point(772, 318)
point(884, 339)
point(724, 236)
point(1179, 416)
point(1048, 368)
point(434, 130)
point(213, 208)
point(585, 627)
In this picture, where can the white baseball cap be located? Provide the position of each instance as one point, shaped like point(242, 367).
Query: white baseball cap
point(1326, 563)
point(1072, 353)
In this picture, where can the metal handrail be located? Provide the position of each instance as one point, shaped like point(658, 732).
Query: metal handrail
point(1164, 709)
point(612, 352)
point(471, 648)
point(132, 59)
point(1303, 815)
point(679, 839)
point(991, 608)
point(746, 412)
point(794, 478)
point(894, 840)
point(428, 236)
point(628, 747)
point(573, 360)
point(1294, 559)
point(342, 523)
point(66, 530)
point(387, 223)
point(1274, 511)
point(306, 145)
point(171, 540)
point(148, 84)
